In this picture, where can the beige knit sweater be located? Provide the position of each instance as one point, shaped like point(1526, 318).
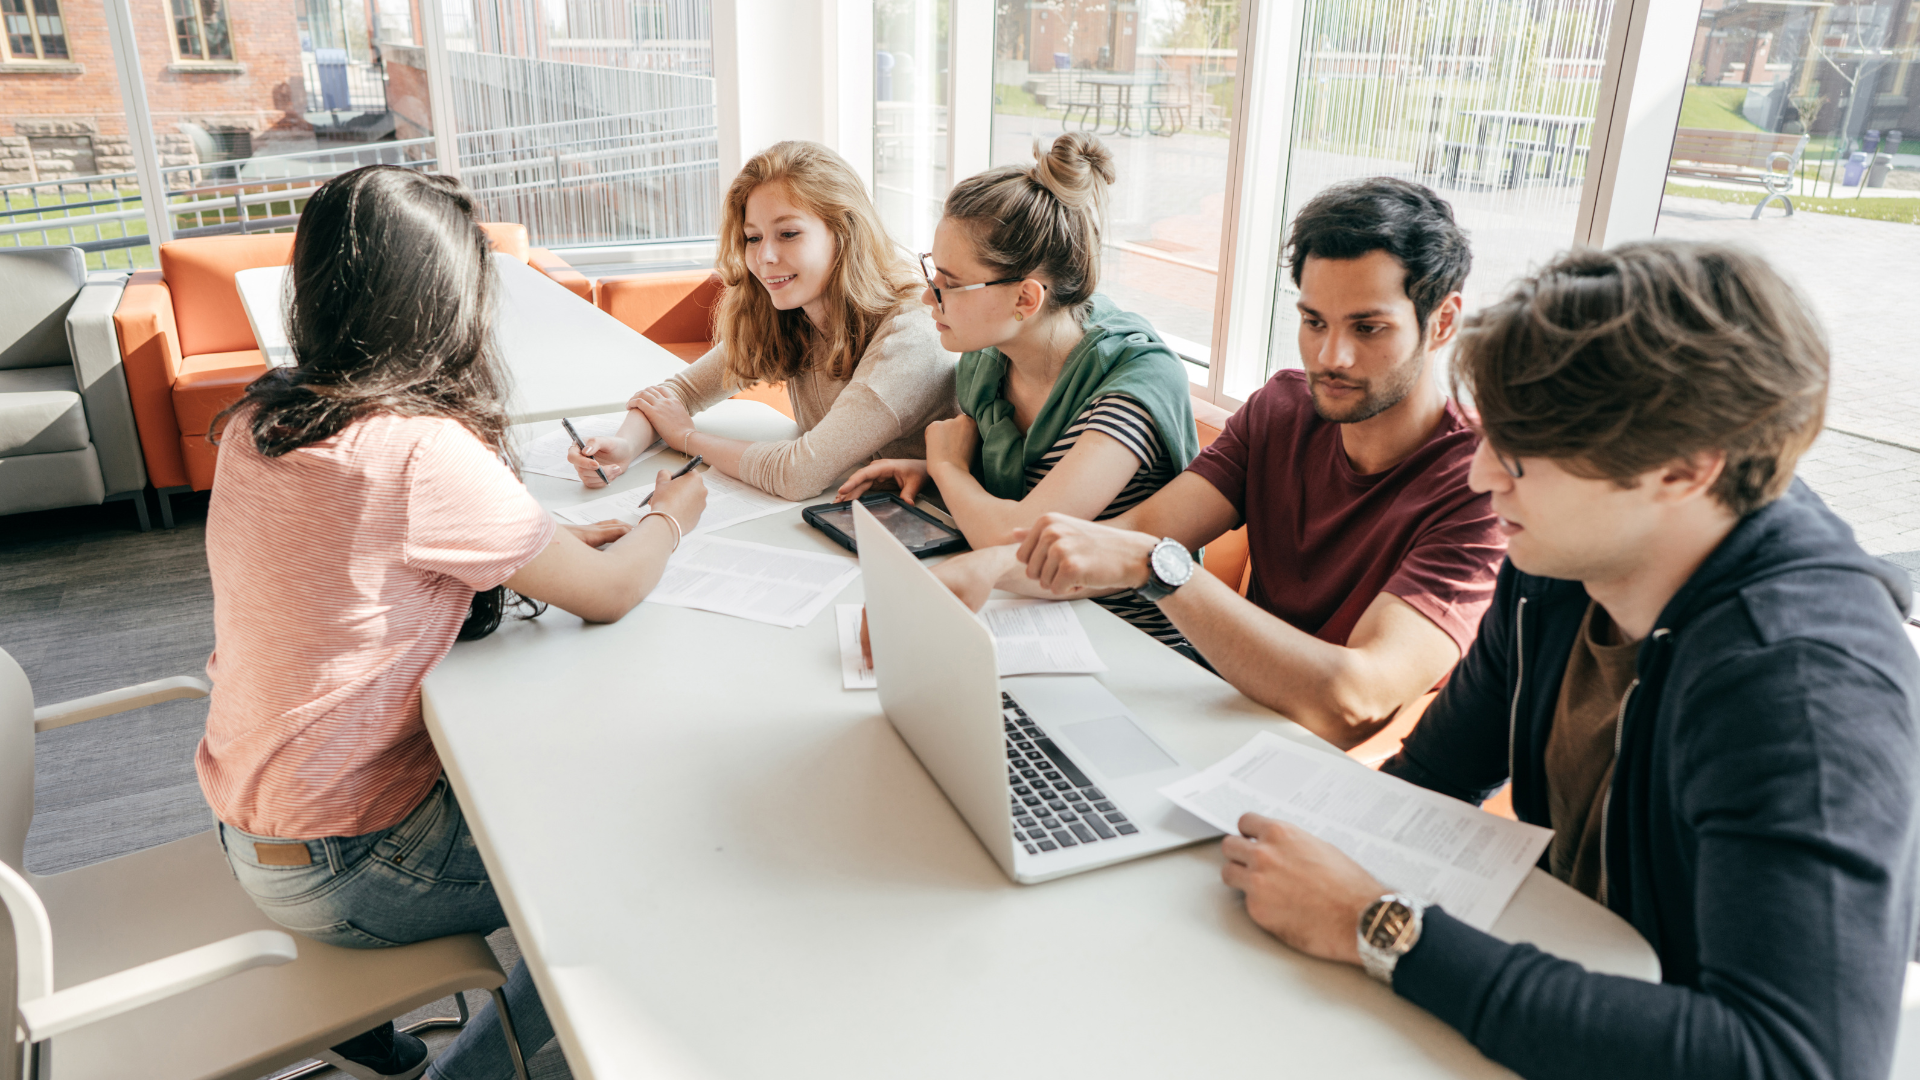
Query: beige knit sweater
point(904, 382)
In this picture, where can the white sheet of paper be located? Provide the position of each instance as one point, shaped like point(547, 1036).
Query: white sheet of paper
point(854, 672)
point(1039, 637)
point(547, 455)
point(729, 502)
point(752, 581)
point(1415, 841)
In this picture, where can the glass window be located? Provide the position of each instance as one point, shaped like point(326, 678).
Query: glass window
point(910, 117)
point(200, 30)
point(35, 30)
point(1154, 80)
point(1489, 102)
point(1798, 140)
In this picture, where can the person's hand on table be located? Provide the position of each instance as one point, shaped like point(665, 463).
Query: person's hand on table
point(608, 452)
point(663, 410)
point(600, 533)
point(1065, 554)
point(906, 474)
point(952, 442)
point(1299, 888)
point(684, 499)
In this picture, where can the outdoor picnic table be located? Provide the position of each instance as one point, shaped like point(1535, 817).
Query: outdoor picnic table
point(1506, 143)
point(1122, 84)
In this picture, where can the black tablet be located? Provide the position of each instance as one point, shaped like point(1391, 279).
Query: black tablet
point(921, 532)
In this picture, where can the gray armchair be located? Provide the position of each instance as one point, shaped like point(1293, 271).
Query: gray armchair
point(67, 436)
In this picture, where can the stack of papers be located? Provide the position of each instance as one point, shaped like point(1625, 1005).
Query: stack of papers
point(752, 581)
point(1031, 637)
point(729, 502)
point(1415, 841)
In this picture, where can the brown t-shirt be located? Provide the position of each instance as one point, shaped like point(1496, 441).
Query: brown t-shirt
point(1325, 540)
point(1580, 748)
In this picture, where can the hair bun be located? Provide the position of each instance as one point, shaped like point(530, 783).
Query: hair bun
point(1076, 169)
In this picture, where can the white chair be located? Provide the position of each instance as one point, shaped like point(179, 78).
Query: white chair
point(157, 965)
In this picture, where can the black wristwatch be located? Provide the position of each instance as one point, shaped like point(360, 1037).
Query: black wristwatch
point(1389, 929)
point(1169, 566)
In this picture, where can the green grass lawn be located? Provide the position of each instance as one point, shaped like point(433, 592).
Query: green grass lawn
point(133, 258)
point(1902, 211)
point(1715, 107)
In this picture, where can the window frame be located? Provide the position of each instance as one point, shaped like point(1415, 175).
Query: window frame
point(200, 31)
point(33, 17)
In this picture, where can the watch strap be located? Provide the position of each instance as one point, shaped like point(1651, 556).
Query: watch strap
point(1157, 587)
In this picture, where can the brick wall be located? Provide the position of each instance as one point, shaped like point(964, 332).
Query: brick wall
point(53, 115)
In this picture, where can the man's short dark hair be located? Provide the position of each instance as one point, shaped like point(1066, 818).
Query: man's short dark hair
point(1617, 362)
point(1403, 219)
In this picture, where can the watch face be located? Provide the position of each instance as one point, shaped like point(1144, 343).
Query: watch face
point(1172, 564)
point(1386, 921)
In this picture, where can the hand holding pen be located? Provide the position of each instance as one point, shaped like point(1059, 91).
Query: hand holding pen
point(684, 470)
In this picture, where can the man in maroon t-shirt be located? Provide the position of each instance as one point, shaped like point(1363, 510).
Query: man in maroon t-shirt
point(1372, 559)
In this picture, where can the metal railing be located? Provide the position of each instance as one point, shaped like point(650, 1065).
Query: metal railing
point(646, 176)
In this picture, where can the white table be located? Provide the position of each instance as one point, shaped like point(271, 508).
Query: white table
point(721, 864)
point(564, 357)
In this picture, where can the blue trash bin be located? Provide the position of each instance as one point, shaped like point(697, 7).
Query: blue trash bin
point(1061, 61)
point(332, 66)
point(1856, 167)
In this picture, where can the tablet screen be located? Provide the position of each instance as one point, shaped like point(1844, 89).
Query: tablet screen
point(910, 529)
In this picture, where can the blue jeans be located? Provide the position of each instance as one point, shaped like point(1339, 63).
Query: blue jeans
point(420, 879)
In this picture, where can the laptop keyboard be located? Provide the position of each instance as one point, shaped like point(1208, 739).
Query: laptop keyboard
point(1055, 805)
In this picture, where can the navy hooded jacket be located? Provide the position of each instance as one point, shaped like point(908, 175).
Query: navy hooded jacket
point(1760, 829)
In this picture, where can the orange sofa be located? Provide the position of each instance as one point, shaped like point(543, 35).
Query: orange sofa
point(674, 310)
point(189, 352)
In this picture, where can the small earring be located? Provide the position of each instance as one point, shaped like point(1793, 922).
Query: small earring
point(1017, 317)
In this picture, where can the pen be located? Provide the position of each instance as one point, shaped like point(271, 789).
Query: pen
point(575, 436)
point(684, 470)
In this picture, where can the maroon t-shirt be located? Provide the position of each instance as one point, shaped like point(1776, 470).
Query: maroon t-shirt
point(1325, 540)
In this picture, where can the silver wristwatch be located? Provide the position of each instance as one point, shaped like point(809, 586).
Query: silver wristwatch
point(1169, 566)
point(1389, 929)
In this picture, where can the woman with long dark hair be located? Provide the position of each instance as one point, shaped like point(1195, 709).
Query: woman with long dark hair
point(362, 519)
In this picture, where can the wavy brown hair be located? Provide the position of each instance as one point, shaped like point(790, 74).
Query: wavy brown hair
point(868, 281)
point(1617, 362)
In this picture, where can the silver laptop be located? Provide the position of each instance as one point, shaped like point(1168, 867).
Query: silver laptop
point(1052, 772)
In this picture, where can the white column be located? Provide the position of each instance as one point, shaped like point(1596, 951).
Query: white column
point(1649, 49)
point(133, 93)
point(446, 148)
point(847, 74)
point(1256, 190)
point(768, 83)
point(970, 93)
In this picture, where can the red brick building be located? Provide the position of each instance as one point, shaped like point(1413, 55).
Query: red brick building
point(240, 83)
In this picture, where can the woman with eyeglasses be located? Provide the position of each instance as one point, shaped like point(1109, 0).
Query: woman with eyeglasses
point(817, 297)
point(1068, 403)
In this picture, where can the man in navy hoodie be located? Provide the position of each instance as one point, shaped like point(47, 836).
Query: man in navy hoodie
point(1690, 672)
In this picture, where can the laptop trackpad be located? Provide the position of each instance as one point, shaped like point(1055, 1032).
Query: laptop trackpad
point(1117, 747)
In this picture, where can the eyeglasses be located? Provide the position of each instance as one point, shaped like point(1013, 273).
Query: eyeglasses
point(926, 271)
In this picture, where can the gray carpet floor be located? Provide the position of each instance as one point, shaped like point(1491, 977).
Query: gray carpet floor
point(89, 603)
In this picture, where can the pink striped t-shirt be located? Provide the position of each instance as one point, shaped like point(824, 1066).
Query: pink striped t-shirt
point(341, 574)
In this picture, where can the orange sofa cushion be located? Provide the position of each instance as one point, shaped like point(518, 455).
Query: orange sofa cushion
point(150, 355)
point(674, 308)
point(199, 456)
point(206, 306)
point(211, 382)
point(556, 268)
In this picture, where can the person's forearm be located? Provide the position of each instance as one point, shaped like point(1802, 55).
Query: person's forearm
point(986, 521)
point(638, 433)
point(1322, 687)
point(722, 453)
point(635, 563)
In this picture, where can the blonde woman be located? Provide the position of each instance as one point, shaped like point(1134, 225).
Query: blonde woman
point(819, 298)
